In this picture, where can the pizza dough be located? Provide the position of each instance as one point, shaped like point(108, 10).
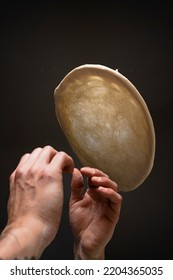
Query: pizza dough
point(107, 123)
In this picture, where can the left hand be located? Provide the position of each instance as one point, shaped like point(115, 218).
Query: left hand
point(94, 213)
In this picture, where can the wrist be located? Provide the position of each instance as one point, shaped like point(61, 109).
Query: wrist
point(21, 242)
point(81, 253)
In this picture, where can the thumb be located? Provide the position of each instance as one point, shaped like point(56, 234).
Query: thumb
point(77, 186)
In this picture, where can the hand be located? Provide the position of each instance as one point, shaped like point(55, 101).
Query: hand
point(94, 213)
point(35, 203)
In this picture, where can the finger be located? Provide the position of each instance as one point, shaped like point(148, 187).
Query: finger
point(104, 182)
point(12, 176)
point(30, 159)
point(114, 197)
point(114, 203)
point(90, 172)
point(27, 161)
point(22, 160)
point(44, 156)
point(12, 182)
point(62, 161)
point(77, 186)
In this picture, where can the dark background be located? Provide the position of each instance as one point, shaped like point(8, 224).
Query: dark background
point(39, 44)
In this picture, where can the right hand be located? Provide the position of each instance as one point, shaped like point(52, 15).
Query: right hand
point(36, 199)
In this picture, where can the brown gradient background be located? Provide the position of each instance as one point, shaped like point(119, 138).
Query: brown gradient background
point(40, 44)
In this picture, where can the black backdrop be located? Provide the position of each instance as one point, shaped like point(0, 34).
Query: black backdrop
point(42, 42)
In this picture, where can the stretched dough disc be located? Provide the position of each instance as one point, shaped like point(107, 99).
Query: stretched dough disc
point(107, 123)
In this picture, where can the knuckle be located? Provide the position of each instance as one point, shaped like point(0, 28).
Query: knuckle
point(49, 148)
point(62, 154)
point(43, 174)
point(32, 171)
point(38, 173)
point(24, 156)
point(37, 150)
point(105, 180)
point(101, 180)
point(64, 157)
point(20, 173)
point(94, 170)
point(66, 162)
point(119, 197)
point(115, 186)
point(98, 172)
point(12, 176)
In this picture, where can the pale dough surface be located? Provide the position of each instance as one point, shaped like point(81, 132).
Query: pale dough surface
point(107, 123)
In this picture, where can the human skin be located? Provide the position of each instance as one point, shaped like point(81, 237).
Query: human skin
point(94, 213)
point(35, 203)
